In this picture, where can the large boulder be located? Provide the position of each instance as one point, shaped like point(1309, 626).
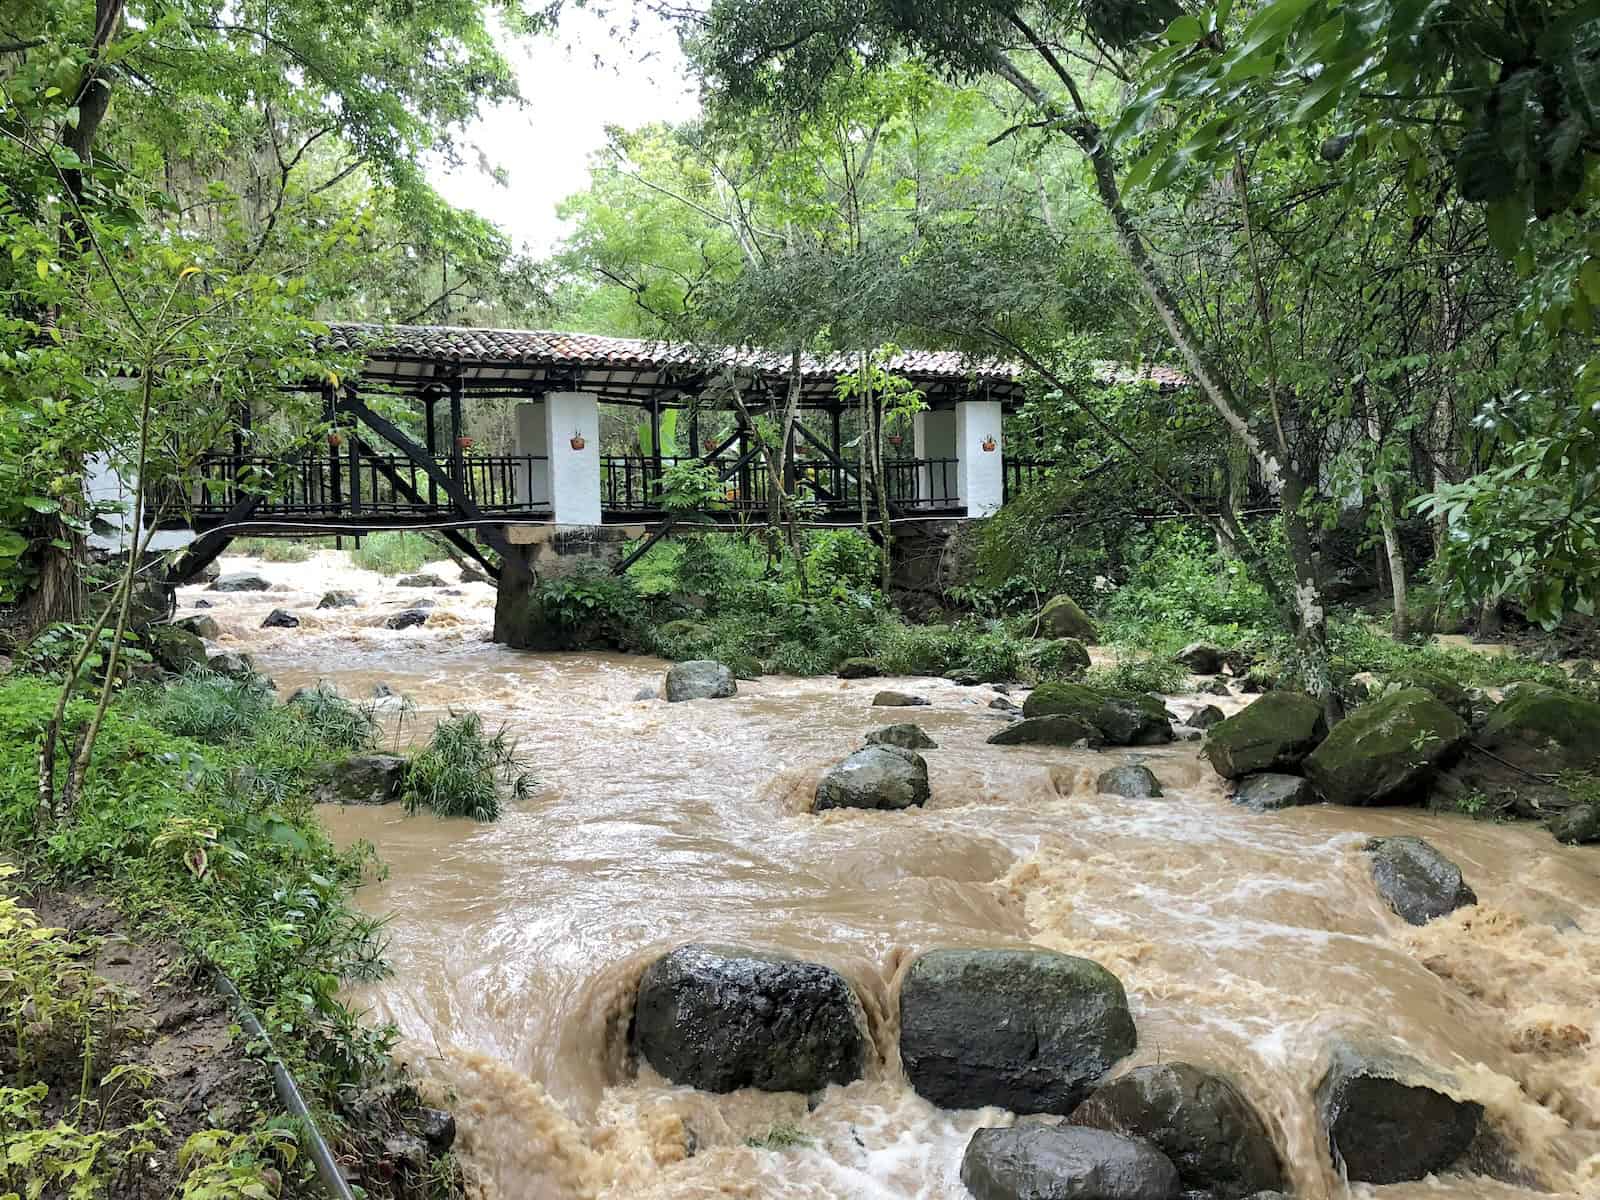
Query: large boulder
point(699, 679)
point(1443, 689)
point(1062, 617)
point(1386, 750)
point(407, 618)
point(240, 581)
point(1416, 880)
point(1200, 658)
point(879, 776)
point(422, 579)
point(361, 779)
point(1206, 717)
point(337, 599)
point(1389, 1118)
point(1065, 1162)
point(280, 618)
point(859, 668)
point(1274, 733)
point(1122, 720)
point(1027, 1030)
point(200, 625)
point(1131, 782)
point(1544, 730)
point(1046, 731)
point(721, 1018)
point(889, 699)
point(176, 650)
point(1269, 791)
point(1199, 1120)
point(905, 735)
point(233, 664)
point(1578, 825)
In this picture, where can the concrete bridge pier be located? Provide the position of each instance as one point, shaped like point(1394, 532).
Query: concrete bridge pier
point(563, 428)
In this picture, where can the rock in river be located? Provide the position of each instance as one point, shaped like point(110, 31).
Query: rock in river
point(1123, 720)
point(721, 1018)
point(1389, 1118)
point(361, 779)
point(232, 664)
point(1200, 658)
point(898, 700)
point(1065, 1162)
point(241, 581)
point(699, 679)
point(1385, 750)
point(1416, 880)
point(1206, 716)
point(1132, 782)
point(859, 668)
point(1047, 731)
point(879, 776)
point(1062, 617)
point(1028, 1030)
point(1273, 734)
point(905, 735)
point(420, 580)
point(176, 650)
point(1199, 1120)
point(201, 625)
point(280, 618)
point(1268, 791)
point(1578, 825)
point(407, 618)
point(337, 599)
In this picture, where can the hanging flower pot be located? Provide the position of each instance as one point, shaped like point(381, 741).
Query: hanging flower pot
point(896, 438)
point(335, 440)
point(578, 442)
point(988, 444)
point(463, 443)
point(710, 444)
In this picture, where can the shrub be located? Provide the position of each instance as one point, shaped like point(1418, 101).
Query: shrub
point(394, 552)
point(588, 609)
point(1139, 673)
point(842, 559)
point(458, 773)
point(212, 708)
point(1178, 581)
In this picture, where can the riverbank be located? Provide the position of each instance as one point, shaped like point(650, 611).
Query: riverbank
point(1245, 939)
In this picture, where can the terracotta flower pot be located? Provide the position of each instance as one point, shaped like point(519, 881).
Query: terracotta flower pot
point(895, 439)
point(335, 441)
point(463, 443)
point(988, 445)
point(578, 442)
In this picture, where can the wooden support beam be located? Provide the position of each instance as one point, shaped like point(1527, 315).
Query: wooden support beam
point(402, 485)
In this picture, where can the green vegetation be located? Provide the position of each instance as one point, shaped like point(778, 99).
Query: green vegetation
point(395, 553)
point(784, 1136)
point(457, 774)
point(279, 550)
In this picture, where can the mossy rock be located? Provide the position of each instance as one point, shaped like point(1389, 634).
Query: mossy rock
point(1273, 734)
point(1386, 749)
point(1136, 720)
point(1059, 730)
point(1545, 730)
point(1578, 825)
point(176, 650)
point(1061, 617)
point(860, 668)
point(1058, 656)
point(1442, 688)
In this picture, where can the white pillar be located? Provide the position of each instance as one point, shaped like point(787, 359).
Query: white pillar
point(574, 473)
point(980, 452)
point(106, 486)
point(533, 439)
point(933, 435)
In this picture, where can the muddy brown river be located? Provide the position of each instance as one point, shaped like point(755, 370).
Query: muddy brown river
point(1244, 939)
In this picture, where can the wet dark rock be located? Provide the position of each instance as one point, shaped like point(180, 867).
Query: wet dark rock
point(280, 618)
point(1047, 731)
point(1206, 717)
point(1544, 730)
point(1003, 704)
point(473, 575)
point(176, 650)
point(437, 1128)
point(232, 664)
point(879, 776)
point(1027, 1030)
point(966, 678)
point(1416, 880)
point(240, 581)
point(1268, 791)
point(1200, 658)
point(407, 618)
point(898, 700)
point(1030, 1161)
point(1213, 1135)
point(1214, 687)
point(647, 693)
point(422, 579)
point(905, 735)
point(201, 626)
point(202, 603)
point(859, 668)
point(699, 679)
point(337, 599)
point(382, 691)
point(361, 779)
point(1003, 688)
point(1389, 1118)
point(1578, 825)
point(1061, 617)
point(1275, 733)
point(721, 1018)
point(407, 1153)
point(1135, 783)
point(1386, 750)
point(1062, 655)
point(1121, 720)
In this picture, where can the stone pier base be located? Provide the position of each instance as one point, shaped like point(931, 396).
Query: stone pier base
point(543, 552)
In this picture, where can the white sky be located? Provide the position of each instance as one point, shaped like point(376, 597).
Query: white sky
point(591, 73)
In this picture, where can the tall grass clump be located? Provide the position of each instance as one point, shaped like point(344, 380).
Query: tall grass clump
point(394, 553)
point(212, 708)
point(458, 773)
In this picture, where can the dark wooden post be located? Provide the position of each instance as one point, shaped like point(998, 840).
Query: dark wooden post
point(655, 446)
point(457, 467)
point(429, 401)
point(841, 482)
point(355, 461)
point(333, 451)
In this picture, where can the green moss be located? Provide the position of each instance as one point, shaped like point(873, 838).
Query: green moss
point(1385, 749)
point(1062, 617)
point(1273, 734)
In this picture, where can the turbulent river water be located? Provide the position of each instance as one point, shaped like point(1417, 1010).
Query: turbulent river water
point(1244, 939)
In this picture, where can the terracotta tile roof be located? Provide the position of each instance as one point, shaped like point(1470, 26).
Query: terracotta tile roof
point(544, 347)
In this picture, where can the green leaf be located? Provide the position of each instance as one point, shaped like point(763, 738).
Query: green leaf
point(1184, 31)
point(1507, 219)
point(41, 504)
point(42, 269)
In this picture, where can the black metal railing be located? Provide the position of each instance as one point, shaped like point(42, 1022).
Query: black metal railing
point(1022, 472)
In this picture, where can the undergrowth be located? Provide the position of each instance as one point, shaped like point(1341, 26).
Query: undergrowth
point(458, 773)
point(395, 552)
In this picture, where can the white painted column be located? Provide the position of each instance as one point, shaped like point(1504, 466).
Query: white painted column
point(105, 485)
point(533, 485)
point(981, 451)
point(933, 435)
point(574, 474)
